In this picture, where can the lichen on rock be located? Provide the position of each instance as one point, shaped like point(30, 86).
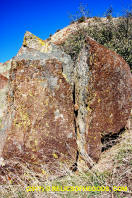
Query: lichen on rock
point(43, 121)
point(59, 110)
point(103, 87)
point(34, 42)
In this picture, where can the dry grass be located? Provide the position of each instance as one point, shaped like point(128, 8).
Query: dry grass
point(114, 169)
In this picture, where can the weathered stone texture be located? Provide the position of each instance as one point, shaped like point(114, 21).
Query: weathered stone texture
point(42, 129)
point(40, 107)
point(48, 50)
point(54, 104)
point(103, 87)
point(34, 42)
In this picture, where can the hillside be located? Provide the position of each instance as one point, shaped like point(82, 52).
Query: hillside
point(114, 33)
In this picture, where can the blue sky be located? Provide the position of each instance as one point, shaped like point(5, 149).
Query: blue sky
point(42, 18)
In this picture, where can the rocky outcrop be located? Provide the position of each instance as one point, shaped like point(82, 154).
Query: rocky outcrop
point(103, 94)
point(57, 110)
point(41, 109)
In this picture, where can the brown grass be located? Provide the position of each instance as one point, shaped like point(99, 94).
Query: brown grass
point(113, 169)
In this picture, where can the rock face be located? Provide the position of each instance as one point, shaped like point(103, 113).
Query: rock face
point(41, 109)
point(48, 51)
point(58, 111)
point(103, 87)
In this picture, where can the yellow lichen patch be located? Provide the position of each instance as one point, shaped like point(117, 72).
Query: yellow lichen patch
point(55, 155)
point(30, 94)
point(33, 156)
point(64, 76)
point(43, 43)
point(95, 94)
point(93, 59)
point(23, 120)
point(78, 135)
point(44, 173)
point(46, 48)
point(36, 142)
point(35, 42)
point(33, 149)
point(90, 60)
point(47, 125)
point(10, 181)
point(46, 102)
point(99, 100)
point(24, 41)
point(89, 109)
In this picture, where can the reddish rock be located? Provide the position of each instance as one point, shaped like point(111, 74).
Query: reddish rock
point(52, 103)
point(42, 129)
point(103, 88)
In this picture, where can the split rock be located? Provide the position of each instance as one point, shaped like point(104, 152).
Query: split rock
point(54, 104)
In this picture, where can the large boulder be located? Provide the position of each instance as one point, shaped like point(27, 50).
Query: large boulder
point(103, 95)
point(40, 109)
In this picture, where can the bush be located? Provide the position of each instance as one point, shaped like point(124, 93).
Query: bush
point(57, 30)
point(74, 43)
point(82, 19)
point(115, 36)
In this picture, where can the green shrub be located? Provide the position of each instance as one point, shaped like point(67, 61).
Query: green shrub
point(82, 19)
point(97, 18)
point(74, 43)
point(115, 36)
